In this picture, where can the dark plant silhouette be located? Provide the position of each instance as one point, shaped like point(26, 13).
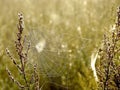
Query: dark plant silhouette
point(108, 68)
point(30, 82)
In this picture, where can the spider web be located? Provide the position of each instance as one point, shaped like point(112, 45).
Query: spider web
point(50, 50)
point(47, 52)
point(50, 53)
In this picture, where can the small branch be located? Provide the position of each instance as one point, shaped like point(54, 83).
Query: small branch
point(13, 79)
point(13, 60)
point(36, 78)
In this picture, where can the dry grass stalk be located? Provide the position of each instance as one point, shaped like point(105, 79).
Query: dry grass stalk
point(36, 78)
point(23, 60)
point(109, 62)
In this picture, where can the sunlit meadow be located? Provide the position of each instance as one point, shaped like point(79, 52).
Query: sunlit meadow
point(64, 35)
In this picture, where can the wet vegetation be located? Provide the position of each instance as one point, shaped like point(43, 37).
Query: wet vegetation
point(54, 45)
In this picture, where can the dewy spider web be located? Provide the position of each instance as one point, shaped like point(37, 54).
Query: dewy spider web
point(49, 49)
point(50, 54)
point(47, 52)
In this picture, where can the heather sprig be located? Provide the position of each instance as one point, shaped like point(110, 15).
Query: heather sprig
point(21, 64)
point(108, 71)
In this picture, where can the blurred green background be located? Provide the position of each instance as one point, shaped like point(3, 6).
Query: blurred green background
point(82, 22)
